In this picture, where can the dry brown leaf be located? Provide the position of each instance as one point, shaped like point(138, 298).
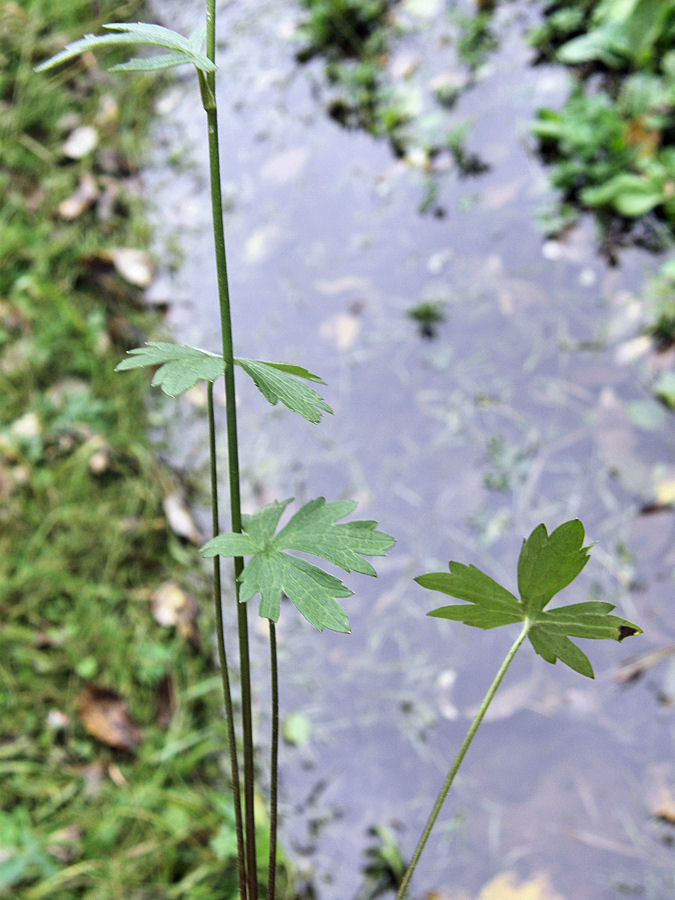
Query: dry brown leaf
point(105, 716)
point(166, 702)
point(174, 607)
point(341, 330)
point(180, 518)
point(665, 492)
point(80, 142)
point(108, 112)
point(636, 666)
point(507, 887)
point(660, 793)
point(84, 196)
point(66, 844)
point(117, 775)
point(135, 266)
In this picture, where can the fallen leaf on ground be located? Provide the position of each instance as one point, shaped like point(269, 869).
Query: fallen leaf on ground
point(665, 492)
point(105, 716)
point(135, 266)
point(636, 666)
point(506, 887)
point(660, 794)
point(341, 330)
point(66, 844)
point(86, 194)
point(180, 519)
point(80, 142)
point(172, 606)
point(166, 702)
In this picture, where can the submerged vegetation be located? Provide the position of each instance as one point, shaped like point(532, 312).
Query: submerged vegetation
point(612, 144)
point(611, 147)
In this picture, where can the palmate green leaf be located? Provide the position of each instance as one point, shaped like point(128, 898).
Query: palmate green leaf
point(547, 564)
point(180, 368)
point(138, 33)
point(271, 572)
point(282, 382)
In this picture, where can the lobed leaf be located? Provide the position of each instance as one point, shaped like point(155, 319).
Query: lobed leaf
point(311, 590)
point(272, 573)
point(478, 616)
point(229, 545)
point(313, 529)
point(553, 647)
point(281, 382)
point(469, 583)
point(547, 564)
point(180, 367)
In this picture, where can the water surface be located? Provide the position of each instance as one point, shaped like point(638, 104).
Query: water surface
point(531, 404)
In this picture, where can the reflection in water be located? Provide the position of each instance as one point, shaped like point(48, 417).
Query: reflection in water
point(529, 406)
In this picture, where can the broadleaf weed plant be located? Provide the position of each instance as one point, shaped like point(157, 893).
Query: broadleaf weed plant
point(547, 563)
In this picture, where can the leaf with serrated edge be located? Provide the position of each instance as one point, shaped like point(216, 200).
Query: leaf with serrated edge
point(271, 572)
point(229, 545)
point(281, 382)
point(180, 367)
point(313, 529)
point(547, 564)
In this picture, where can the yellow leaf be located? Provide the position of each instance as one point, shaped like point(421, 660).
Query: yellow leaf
point(506, 887)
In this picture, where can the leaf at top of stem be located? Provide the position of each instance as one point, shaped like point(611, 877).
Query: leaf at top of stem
point(180, 367)
point(184, 50)
point(547, 564)
point(313, 529)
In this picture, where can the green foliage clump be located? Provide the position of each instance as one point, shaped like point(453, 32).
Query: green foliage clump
point(611, 144)
point(344, 29)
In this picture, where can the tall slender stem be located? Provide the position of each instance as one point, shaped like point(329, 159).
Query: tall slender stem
point(459, 759)
point(274, 765)
point(222, 654)
point(233, 453)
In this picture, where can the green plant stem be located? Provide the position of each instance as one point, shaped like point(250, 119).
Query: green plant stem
point(233, 454)
point(222, 654)
point(274, 765)
point(459, 759)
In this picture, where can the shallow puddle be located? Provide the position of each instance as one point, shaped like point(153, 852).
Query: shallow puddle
point(530, 404)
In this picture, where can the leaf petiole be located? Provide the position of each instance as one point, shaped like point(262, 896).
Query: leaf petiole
point(459, 759)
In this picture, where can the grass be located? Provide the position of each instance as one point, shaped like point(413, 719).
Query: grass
point(84, 541)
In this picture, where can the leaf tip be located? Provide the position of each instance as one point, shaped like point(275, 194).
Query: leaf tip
point(628, 631)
